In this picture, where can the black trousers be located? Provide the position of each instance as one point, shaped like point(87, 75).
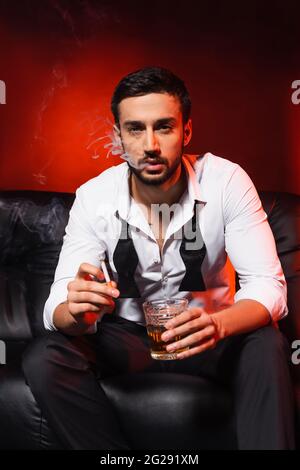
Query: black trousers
point(63, 372)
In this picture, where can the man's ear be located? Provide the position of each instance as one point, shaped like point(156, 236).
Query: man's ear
point(187, 132)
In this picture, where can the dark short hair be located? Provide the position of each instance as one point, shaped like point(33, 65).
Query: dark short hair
point(151, 80)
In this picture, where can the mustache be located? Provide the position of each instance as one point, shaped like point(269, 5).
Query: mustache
point(153, 161)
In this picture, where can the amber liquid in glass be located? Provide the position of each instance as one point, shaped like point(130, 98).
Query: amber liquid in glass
point(158, 346)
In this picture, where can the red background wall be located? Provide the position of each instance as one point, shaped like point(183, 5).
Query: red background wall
point(60, 61)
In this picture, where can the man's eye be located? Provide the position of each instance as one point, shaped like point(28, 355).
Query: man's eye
point(135, 130)
point(165, 128)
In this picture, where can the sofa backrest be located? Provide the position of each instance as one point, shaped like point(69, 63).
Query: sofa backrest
point(283, 211)
point(32, 225)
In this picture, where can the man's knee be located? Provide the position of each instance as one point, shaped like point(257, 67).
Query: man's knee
point(34, 356)
point(46, 353)
point(265, 351)
point(270, 342)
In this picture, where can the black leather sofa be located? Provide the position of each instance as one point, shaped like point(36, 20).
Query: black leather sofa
point(196, 414)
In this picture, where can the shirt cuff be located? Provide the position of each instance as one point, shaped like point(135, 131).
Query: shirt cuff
point(58, 295)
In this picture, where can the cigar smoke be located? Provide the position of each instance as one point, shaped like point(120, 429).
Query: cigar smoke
point(113, 146)
point(78, 21)
point(58, 81)
point(46, 221)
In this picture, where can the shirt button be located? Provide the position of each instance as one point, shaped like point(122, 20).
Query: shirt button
point(165, 279)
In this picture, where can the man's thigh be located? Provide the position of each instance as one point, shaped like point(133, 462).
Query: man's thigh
point(247, 350)
point(122, 346)
point(214, 364)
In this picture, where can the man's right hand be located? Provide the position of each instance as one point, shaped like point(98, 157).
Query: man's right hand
point(86, 295)
point(87, 301)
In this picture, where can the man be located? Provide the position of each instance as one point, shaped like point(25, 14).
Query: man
point(215, 211)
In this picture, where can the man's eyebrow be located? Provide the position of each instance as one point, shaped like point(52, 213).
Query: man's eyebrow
point(133, 123)
point(167, 120)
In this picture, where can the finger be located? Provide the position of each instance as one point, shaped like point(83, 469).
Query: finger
point(101, 278)
point(193, 339)
point(86, 268)
point(211, 344)
point(80, 309)
point(189, 327)
point(91, 277)
point(184, 317)
point(91, 297)
point(93, 314)
point(92, 286)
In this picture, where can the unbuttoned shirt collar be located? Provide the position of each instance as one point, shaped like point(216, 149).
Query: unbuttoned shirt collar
point(130, 211)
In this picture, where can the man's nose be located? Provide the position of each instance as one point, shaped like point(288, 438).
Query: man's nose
point(151, 143)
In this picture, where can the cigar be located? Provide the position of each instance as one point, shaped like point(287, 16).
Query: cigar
point(105, 272)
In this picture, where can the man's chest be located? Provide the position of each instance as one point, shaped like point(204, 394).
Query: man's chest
point(158, 224)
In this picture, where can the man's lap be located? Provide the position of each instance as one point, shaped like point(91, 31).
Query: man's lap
point(121, 346)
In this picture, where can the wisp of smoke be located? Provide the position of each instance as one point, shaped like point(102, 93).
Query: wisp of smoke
point(58, 81)
point(114, 147)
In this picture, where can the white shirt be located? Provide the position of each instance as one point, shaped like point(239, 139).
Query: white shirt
point(232, 223)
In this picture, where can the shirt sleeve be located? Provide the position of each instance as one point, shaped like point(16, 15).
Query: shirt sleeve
point(251, 247)
point(80, 245)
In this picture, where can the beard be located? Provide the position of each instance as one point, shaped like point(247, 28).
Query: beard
point(153, 179)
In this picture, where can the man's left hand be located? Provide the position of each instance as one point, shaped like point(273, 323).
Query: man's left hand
point(196, 329)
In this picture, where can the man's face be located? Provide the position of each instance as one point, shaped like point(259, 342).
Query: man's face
point(153, 135)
